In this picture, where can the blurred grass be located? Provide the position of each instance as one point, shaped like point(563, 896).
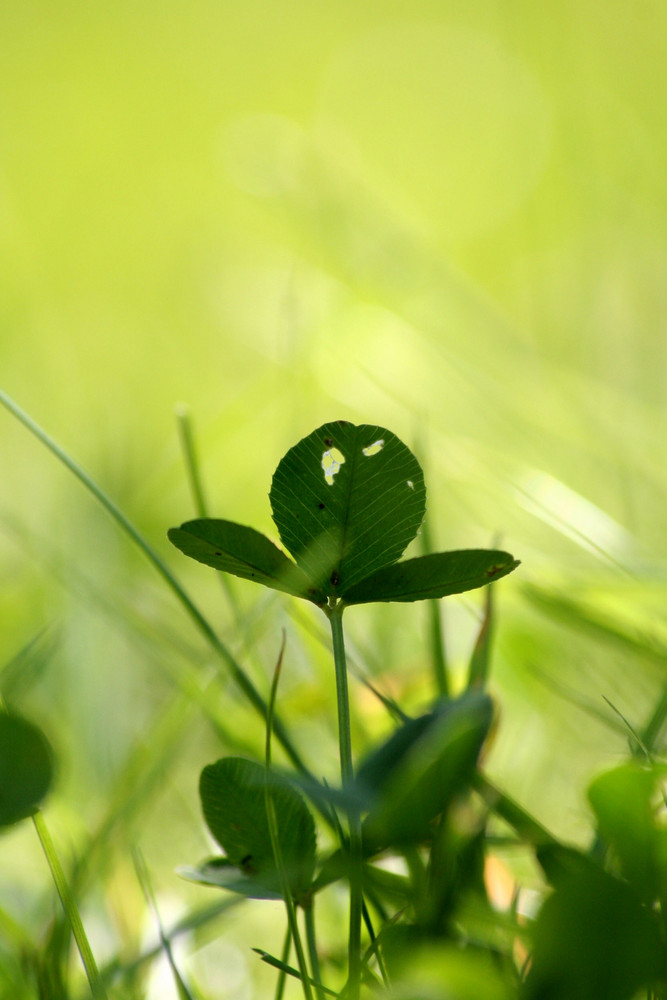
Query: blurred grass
point(451, 222)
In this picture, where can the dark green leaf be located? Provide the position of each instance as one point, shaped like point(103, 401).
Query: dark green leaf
point(26, 768)
point(593, 938)
point(347, 500)
point(244, 552)
point(423, 776)
point(435, 575)
point(625, 802)
point(376, 768)
point(233, 802)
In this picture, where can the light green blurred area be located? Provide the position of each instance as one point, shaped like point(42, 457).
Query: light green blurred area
point(448, 219)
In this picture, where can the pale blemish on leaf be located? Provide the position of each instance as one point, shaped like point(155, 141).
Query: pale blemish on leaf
point(411, 484)
point(331, 463)
point(374, 448)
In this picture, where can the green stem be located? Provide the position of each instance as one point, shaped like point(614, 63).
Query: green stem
point(436, 635)
point(282, 976)
point(237, 672)
point(71, 910)
point(187, 438)
point(275, 839)
point(309, 913)
point(190, 456)
point(335, 614)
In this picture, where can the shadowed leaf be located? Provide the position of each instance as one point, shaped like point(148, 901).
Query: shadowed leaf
point(346, 500)
point(421, 768)
point(232, 797)
point(432, 576)
point(244, 552)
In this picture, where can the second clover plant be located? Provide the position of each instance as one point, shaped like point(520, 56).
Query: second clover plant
point(347, 500)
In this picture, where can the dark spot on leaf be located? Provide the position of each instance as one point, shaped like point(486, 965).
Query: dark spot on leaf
point(217, 553)
point(493, 570)
point(246, 865)
point(342, 423)
point(321, 506)
point(335, 578)
point(328, 442)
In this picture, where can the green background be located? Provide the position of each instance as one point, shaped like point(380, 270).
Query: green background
point(449, 219)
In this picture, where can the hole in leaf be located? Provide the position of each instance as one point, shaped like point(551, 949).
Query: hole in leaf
point(331, 463)
point(374, 448)
point(411, 484)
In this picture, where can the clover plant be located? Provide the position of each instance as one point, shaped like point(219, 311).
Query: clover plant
point(347, 500)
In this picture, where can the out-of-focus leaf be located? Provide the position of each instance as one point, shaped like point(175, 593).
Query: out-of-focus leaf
point(424, 773)
point(423, 969)
point(437, 575)
point(625, 802)
point(560, 862)
point(234, 807)
point(593, 938)
point(347, 500)
point(26, 768)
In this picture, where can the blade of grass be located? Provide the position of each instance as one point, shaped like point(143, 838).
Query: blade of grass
point(576, 614)
point(282, 978)
point(273, 832)
point(436, 634)
point(634, 735)
point(480, 660)
point(144, 881)
point(95, 981)
point(116, 970)
point(191, 460)
point(288, 969)
point(237, 672)
point(650, 734)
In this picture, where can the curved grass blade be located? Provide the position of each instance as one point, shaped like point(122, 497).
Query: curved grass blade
point(347, 500)
point(480, 661)
point(237, 672)
point(234, 548)
point(289, 970)
point(437, 575)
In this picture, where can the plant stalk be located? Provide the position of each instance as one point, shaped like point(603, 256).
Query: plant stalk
point(238, 673)
point(335, 615)
point(275, 838)
point(71, 910)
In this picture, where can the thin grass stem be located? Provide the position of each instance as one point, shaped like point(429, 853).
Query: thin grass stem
point(284, 957)
point(311, 940)
point(435, 630)
point(70, 908)
point(275, 840)
point(238, 673)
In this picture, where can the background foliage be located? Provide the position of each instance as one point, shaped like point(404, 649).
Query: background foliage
point(446, 219)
